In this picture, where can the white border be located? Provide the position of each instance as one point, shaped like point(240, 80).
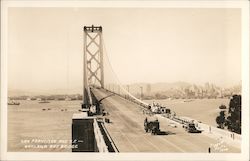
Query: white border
point(244, 155)
point(245, 78)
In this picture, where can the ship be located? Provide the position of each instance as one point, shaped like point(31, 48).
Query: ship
point(12, 102)
point(44, 101)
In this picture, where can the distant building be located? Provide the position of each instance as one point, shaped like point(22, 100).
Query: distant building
point(148, 88)
point(67, 98)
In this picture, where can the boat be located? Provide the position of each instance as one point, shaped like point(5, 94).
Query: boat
point(67, 98)
point(43, 101)
point(188, 100)
point(12, 102)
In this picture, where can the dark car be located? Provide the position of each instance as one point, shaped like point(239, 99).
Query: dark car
point(190, 127)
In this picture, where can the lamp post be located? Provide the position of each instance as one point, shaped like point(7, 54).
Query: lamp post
point(141, 92)
point(128, 91)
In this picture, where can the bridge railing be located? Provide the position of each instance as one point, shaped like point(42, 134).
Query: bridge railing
point(109, 141)
point(101, 145)
point(230, 136)
point(131, 98)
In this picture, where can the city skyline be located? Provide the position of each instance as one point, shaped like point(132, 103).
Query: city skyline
point(134, 88)
point(143, 45)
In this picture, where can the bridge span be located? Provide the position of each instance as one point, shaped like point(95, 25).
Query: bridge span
point(127, 130)
point(126, 127)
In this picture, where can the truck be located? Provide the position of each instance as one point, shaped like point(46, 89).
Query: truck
point(152, 126)
point(158, 109)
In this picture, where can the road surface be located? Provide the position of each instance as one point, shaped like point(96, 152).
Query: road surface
point(127, 130)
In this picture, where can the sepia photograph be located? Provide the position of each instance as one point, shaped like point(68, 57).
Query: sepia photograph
point(143, 81)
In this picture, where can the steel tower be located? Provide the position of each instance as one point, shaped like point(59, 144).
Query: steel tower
point(93, 74)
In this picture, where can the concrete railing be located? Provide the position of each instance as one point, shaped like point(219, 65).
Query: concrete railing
point(110, 139)
point(232, 138)
point(228, 136)
point(101, 145)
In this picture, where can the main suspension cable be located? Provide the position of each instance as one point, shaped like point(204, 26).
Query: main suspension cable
point(117, 79)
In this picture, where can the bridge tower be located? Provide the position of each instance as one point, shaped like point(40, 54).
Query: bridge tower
point(93, 73)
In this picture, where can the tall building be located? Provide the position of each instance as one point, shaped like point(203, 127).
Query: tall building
point(148, 88)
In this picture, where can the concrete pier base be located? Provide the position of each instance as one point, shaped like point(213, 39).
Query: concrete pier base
point(83, 138)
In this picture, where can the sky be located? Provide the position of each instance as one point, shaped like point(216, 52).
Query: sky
point(45, 45)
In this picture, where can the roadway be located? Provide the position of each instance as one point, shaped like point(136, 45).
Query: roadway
point(127, 130)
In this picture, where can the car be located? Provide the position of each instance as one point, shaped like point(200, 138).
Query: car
point(190, 127)
point(223, 107)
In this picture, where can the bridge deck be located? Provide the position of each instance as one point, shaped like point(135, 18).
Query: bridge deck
point(127, 130)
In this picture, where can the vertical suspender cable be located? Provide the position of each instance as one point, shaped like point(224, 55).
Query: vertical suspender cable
point(119, 83)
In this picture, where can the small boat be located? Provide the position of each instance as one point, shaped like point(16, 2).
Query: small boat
point(68, 99)
point(188, 100)
point(12, 102)
point(43, 101)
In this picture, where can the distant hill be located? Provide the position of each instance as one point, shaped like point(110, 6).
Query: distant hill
point(134, 88)
point(14, 92)
point(157, 87)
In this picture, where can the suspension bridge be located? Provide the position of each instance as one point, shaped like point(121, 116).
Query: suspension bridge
point(113, 120)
